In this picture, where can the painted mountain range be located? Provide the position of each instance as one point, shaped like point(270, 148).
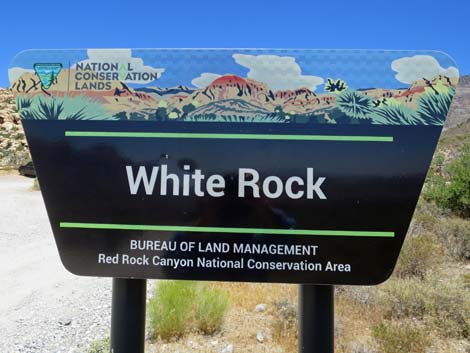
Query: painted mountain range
point(230, 98)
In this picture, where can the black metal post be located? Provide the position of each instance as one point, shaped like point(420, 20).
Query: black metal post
point(128, 315)
point(316, 319)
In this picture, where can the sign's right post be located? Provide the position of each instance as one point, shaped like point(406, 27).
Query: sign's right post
point(316, 319)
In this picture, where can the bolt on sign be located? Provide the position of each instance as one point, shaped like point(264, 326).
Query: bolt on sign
point(266, 165)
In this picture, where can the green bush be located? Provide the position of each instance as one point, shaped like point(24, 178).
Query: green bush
point(181, 306)
point(400, 337)
point(171, 308)
point(418, 255)
point(211, 306)
point(445, 306)
point(452, 189)
point(100, 346)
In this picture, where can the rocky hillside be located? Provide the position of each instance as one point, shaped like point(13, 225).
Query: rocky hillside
point(460, 108)
point(13, 147)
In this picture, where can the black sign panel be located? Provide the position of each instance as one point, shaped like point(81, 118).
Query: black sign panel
point(300, 178)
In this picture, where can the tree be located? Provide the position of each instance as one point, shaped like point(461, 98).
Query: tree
point(188, 108)
point(121, 116)
point(161, 114)
point(335, 86)
point(452, 189)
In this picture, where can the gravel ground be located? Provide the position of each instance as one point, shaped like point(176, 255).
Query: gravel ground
point(43, 308)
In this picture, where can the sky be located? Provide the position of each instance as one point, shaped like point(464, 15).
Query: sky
point(339, 24)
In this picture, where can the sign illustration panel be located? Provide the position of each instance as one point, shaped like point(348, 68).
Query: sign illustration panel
point(273, 165)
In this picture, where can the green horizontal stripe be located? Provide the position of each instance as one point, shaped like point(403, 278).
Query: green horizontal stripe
point(183, 135)
point(143, 227)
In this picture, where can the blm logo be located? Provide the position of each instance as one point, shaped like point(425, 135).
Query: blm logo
point(47, 73)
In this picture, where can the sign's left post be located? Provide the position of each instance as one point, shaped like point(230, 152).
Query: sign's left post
point(128, 315)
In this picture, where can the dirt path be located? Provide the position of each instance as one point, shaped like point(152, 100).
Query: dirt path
point(43, 308)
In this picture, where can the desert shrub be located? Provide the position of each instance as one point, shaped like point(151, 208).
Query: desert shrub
point(399, 337)
point(285, 319)
point(452, 232)
point(466, 280)
point(181, 306)
point(419, 255)
point(402, 298)
point(427, 217)
point(449, 307)
point(211, 306)
point(455, 233)
point(358, 347)
point(100, 346)
point(444, 306)
point(171, 308)
point(360, 294)
point(452, 189)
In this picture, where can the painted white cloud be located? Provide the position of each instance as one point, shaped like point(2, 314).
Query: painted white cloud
point(204, 79)
point(279, 72)
point(14, 73)
point(121, 56)
point(413, 68)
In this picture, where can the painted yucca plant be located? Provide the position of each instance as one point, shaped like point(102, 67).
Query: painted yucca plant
point(23, 101)
point(270, 118)
point(65, 108)
point(354, 104)
point(433, 107)
point(396, 114)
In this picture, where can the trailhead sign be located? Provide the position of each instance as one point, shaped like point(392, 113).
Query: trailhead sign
point(265, 165)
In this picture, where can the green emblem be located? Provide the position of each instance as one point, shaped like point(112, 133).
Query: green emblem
point(47, 73)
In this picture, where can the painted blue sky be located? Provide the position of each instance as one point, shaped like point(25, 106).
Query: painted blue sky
point(422, 25)
point(280, 69)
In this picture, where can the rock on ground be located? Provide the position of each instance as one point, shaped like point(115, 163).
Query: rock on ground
point(43, 308)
